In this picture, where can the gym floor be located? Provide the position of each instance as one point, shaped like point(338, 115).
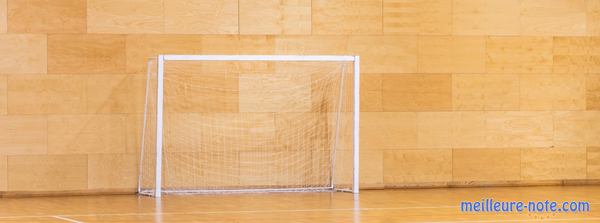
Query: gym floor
point(407, 205)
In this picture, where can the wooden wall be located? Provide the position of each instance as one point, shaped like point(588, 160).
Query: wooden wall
point(454, 91)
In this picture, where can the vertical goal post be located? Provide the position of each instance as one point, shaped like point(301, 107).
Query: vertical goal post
point(160, 91)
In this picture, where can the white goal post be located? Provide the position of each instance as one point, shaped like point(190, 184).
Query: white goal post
point(152, 158)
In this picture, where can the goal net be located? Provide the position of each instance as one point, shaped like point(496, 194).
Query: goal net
point(219, 124)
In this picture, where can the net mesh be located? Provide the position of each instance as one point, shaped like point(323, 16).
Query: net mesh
point(241, 126)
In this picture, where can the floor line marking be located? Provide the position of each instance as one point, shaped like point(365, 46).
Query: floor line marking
point(66, 219)
point(514, 220)
point(227, 212)
point(239, 211)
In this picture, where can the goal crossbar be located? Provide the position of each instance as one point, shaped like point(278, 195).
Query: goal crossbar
point(324, 58)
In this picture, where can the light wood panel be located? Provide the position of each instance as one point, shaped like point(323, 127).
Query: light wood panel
point(424, 17)
point(434, 129)
point(140, 48)
point(86, 134)
point(593, 162)
point(478, 92)
point(315, 45)
point(593, 92)
point(201, 17)
point(388, 130)
point(371, 92)
point(385, 54)
point(102, 175)
point(115, 94)
point(573, 55)
point(3, 16)
point(347, 17)
point(468, 130)
point(416, 92)
point(47, 172)
point(23, 135)
point(553, 17)
point(593, 17)
point(570, 128)
point(553, 164)
point(3, 173)
point(3, 94)
point(46, 94)
point(592, 128)
point(519, 129)
point(486, 17)
point(417, 166)
point(512, 55)
point(548, 92)
point(129, 16)
point(86, 54)
point(371, 169)
point(442, 54)
point(486, 164)
point(275, 17)
point(275, 92)
point(47, 16)
point(23, 54)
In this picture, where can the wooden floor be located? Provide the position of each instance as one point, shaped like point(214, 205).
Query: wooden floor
point(407, 205)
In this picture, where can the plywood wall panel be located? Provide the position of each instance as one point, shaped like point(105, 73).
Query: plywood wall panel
point(129, 16)
point(371, 168)
point(593, 162)
point(115, 94)
point(548, 92)
point(424, 17)
point(434, 129)
point(486, 164)
point(513, 55)
point(315, 45)
point(275, 17)
point(257, 44)
point(201, 17)
point(486, 17)
point(442, 54)
point(371, 92)
point(275, 93)
point(47, 16)
point(553, 164)
point(3, 173)
point(47, 173)
point(140, 48)
point(570, 128)
point(23, 54)
point(3, 95)
point(22, 135)
point(417, 92)
point(86, 134)
point(102, 175)
point(593, 17)
point(593, 92)
point(553, 17)
point(46, 94)
point(417, 166)
point(476, 92)
point(468, 129)
point(592, 128)
point(347, 17)
point(86, 54)
point(385, 54)
point(3, 16)
point(388, 130)
point(519, 129)
point(572, 55)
